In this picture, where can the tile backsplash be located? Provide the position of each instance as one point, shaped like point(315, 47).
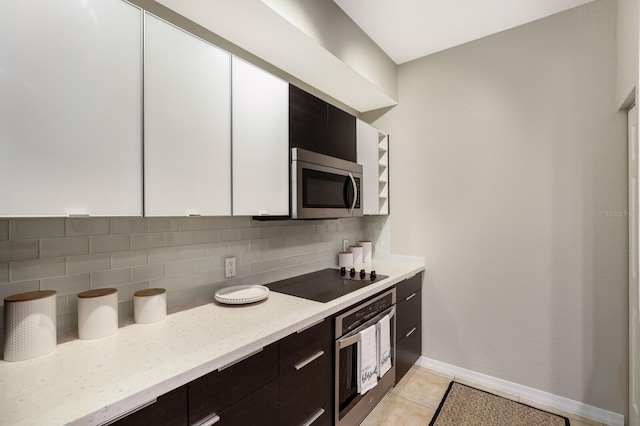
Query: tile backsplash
point(183, 255)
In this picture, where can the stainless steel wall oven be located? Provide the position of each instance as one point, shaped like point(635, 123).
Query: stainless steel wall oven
point(350, 406)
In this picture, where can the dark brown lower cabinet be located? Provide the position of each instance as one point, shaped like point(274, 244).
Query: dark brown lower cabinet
point(257, 409)
point(306, 379)
point(408, 324)
point(408, 350)
point(169, 409)
point(214, 393)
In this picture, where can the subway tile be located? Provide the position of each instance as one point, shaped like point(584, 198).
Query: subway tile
point(249, 234)
point(125, 312)
point(4, 272)
point(240, 222)
point(169, 284)
point(52, 247)
point(193, 252)
point(195, 280)
point(219, 222)
point(87, 226)
point(147, 273)
point(62, 304)
point(163, 224)
point(24, 270)
point(67, 324)
point(35, 228)
point(4, 229)
point(110, 278)
point(180, 297)
point(125, 292)
point(144, 241)
point(109, 243)
point(128, 225)
point(208, 264)
point(70, 284)
point(162, 255)
point(229, 235)
point(218, 249)
point(178, 238)
point(18, 250)
point(206, 236)
point(9, 289)
point(126, 259)
point(88, 263)
point(193, 223)
point(177, 269)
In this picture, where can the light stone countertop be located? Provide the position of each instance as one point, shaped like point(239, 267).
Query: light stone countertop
point(92, 381)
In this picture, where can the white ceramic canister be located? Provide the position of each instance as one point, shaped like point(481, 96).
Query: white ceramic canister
point(367, 250)
point(97, 313)
point(150, 305)
point(30, 325)
point(345, 259)
point(357, 254)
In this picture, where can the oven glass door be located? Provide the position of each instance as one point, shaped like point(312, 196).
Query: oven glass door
point(347, 396)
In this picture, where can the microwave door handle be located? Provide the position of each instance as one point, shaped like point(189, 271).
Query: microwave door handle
point(355, 193)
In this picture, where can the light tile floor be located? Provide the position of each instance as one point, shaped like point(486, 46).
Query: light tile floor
point(415, 400)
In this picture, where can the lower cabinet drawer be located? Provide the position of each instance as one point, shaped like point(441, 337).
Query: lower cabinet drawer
point(409, 312)
point(213, 393)
point(257, 409)
point(306, 393)
point(169, 409)
point(408, 350)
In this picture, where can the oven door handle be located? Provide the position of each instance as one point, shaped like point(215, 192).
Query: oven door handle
point(355, 193)
point(354, 336)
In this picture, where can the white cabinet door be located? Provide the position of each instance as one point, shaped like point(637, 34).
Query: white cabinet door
point(260, 142)
point(368, 157)
point(187, 123)
point(70, 108)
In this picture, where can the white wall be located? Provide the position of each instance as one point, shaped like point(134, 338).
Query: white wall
point(508, 173)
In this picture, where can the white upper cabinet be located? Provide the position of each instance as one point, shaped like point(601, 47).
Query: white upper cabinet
point(187, 123)
point(70, 108)
point(372, 149)
point(260, 142)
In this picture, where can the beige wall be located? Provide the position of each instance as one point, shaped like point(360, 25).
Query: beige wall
point(508, 173)
point(627, 43)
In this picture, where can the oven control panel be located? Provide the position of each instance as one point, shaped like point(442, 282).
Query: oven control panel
point(355, 317)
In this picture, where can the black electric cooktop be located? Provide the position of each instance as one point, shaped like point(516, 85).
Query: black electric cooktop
point(326, 284)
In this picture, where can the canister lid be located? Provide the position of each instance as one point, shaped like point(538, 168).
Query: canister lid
point(149, 292)
point(29, 296)
point(98, 292)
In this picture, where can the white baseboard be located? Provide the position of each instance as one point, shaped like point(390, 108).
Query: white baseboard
point(541, 397)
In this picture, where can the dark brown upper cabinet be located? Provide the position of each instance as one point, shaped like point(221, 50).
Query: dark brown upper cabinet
point(318, 126)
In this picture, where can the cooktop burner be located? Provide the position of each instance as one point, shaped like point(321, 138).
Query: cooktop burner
point(326, 284)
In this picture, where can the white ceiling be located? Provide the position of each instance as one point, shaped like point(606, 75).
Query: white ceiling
point(410, 29)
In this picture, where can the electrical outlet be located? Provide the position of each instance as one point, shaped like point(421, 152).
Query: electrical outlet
point(345, 245)
point(230, 267)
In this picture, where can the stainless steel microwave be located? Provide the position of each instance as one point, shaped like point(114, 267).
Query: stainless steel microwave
point(324, 187)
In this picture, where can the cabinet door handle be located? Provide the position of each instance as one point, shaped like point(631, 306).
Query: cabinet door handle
point(410, 332)
point(127, 413)
point(213, 420)
point(410, 296)
point(309, 360)
point(78, 215)
point(313, 418)
point(224, 367)
point(310, 326)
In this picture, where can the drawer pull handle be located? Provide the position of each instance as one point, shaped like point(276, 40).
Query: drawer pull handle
point(224, 367)
point(212, 421)
point(309, 360)
point(313, 418)
point(78, 215)
point(133, 410)
point(410, 332)
point(411, 296)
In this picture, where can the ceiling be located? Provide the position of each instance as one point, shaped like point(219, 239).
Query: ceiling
point(410, 29)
